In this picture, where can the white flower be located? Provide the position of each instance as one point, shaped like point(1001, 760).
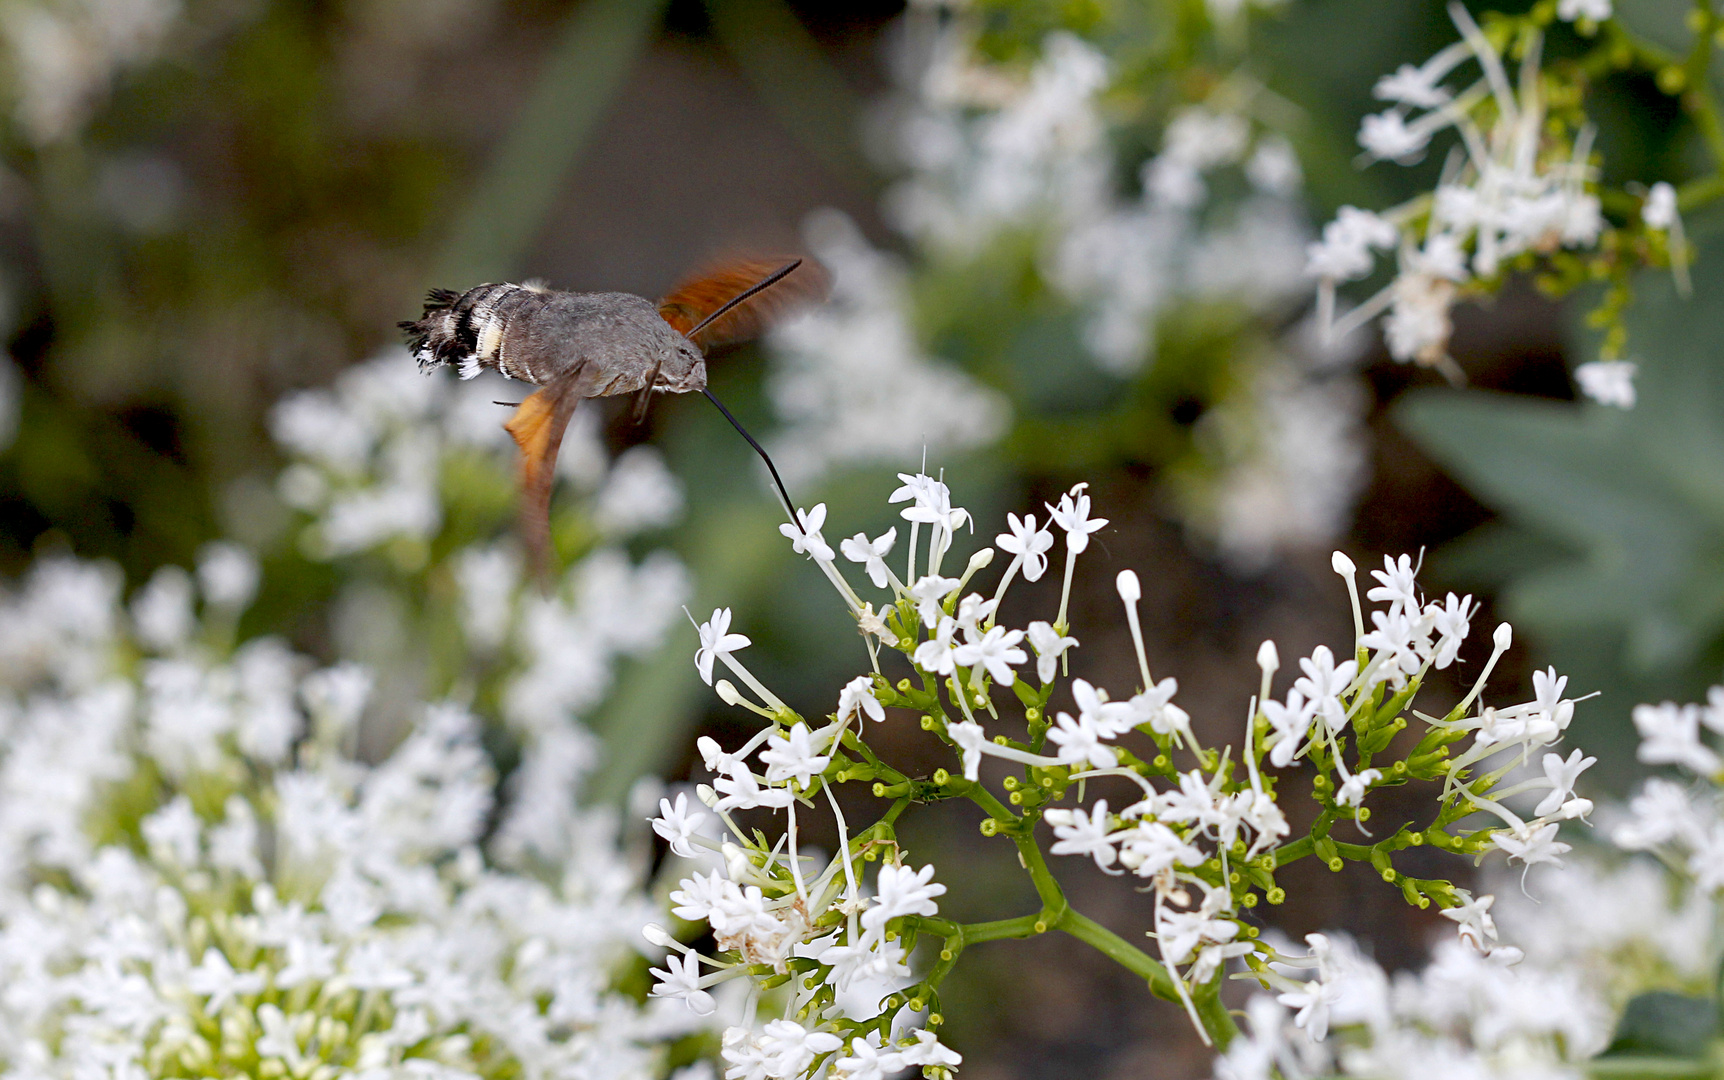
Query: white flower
point(1312, 1004)
point(1027, 542)
point(741, 791)
point(790, 1048)
point(1155, 707)
point(641, 493)
point(1452, 621)
point(930, 592)
point(928, 1052)
point(1072, 515)
point(1398, 580)
point(938, 655)
point(1288, 724)
point(716, 641)
point(1344, 253)
point(698, 897)
point(1571, 10)
point(1081, 833)
point(805, 536)
point(794, 756)
point(1562, 775)
point(1540, 845)
point(1080, 742)
point(678, 824)
point(1110, 718)
point(867, 1061)
point(162, 611)
point(228, 575)
point(681, 982)
point(1387, 135)
point(1323, 683)
point(857, 696)
point(969, 736)
point(1659, 209)
point(1608, 382)
point(1473, 919)
point(1150, 847)
point(1182, 933)
point(1416, 86)
point(996, 651)
point(1352, 792)
point(872, 554)
point(1670, 735)
point(900, 891)
point(216, 980)
point(1049, 646)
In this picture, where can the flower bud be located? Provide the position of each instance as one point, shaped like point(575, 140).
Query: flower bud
point(706, 795)
point(1342, 565)
point(727, 692)
point(1267, 657)
point(657, 935)
point(1129, 591)
point(980, 560)
point(1504, 636)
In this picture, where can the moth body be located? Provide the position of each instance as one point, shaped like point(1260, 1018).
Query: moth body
point(588, 344)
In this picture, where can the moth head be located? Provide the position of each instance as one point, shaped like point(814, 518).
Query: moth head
point(683, 369)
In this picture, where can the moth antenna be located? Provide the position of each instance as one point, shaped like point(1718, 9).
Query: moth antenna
point(763, 284)
point(510, 404)
point(783, 496)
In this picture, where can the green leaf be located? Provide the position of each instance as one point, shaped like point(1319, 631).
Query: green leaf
point(1663, 1024)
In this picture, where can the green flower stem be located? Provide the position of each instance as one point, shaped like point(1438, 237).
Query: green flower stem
point(1697, 97)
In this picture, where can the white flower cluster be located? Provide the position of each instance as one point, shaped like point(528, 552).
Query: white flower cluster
point(1520, 184)
point(1289, 459)
point(991, 153)
point(1667, 817)
point(373, 450)
point(1465, 1014)
point(376, 458)
point(199, 878)
point(1602, 931)
point(1207, 844)
point(66, 53)
point(1160, 836)
point(851, 379)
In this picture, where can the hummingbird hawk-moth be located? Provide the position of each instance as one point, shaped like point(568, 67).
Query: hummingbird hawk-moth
point(575, 345)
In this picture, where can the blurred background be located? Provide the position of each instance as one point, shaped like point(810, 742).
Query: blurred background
point(207, 204)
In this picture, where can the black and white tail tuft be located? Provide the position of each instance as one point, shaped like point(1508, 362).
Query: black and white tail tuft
point(467, 329)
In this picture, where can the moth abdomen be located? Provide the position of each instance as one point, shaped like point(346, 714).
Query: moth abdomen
point(467, 330)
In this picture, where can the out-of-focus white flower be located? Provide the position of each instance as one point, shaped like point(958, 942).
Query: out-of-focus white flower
point(162, 614)
point(227, 575)
point(640, 494)
point(65, 56)
point(373, 883)
point(1571, 10)
point(850, 378)
point(1608, 382)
